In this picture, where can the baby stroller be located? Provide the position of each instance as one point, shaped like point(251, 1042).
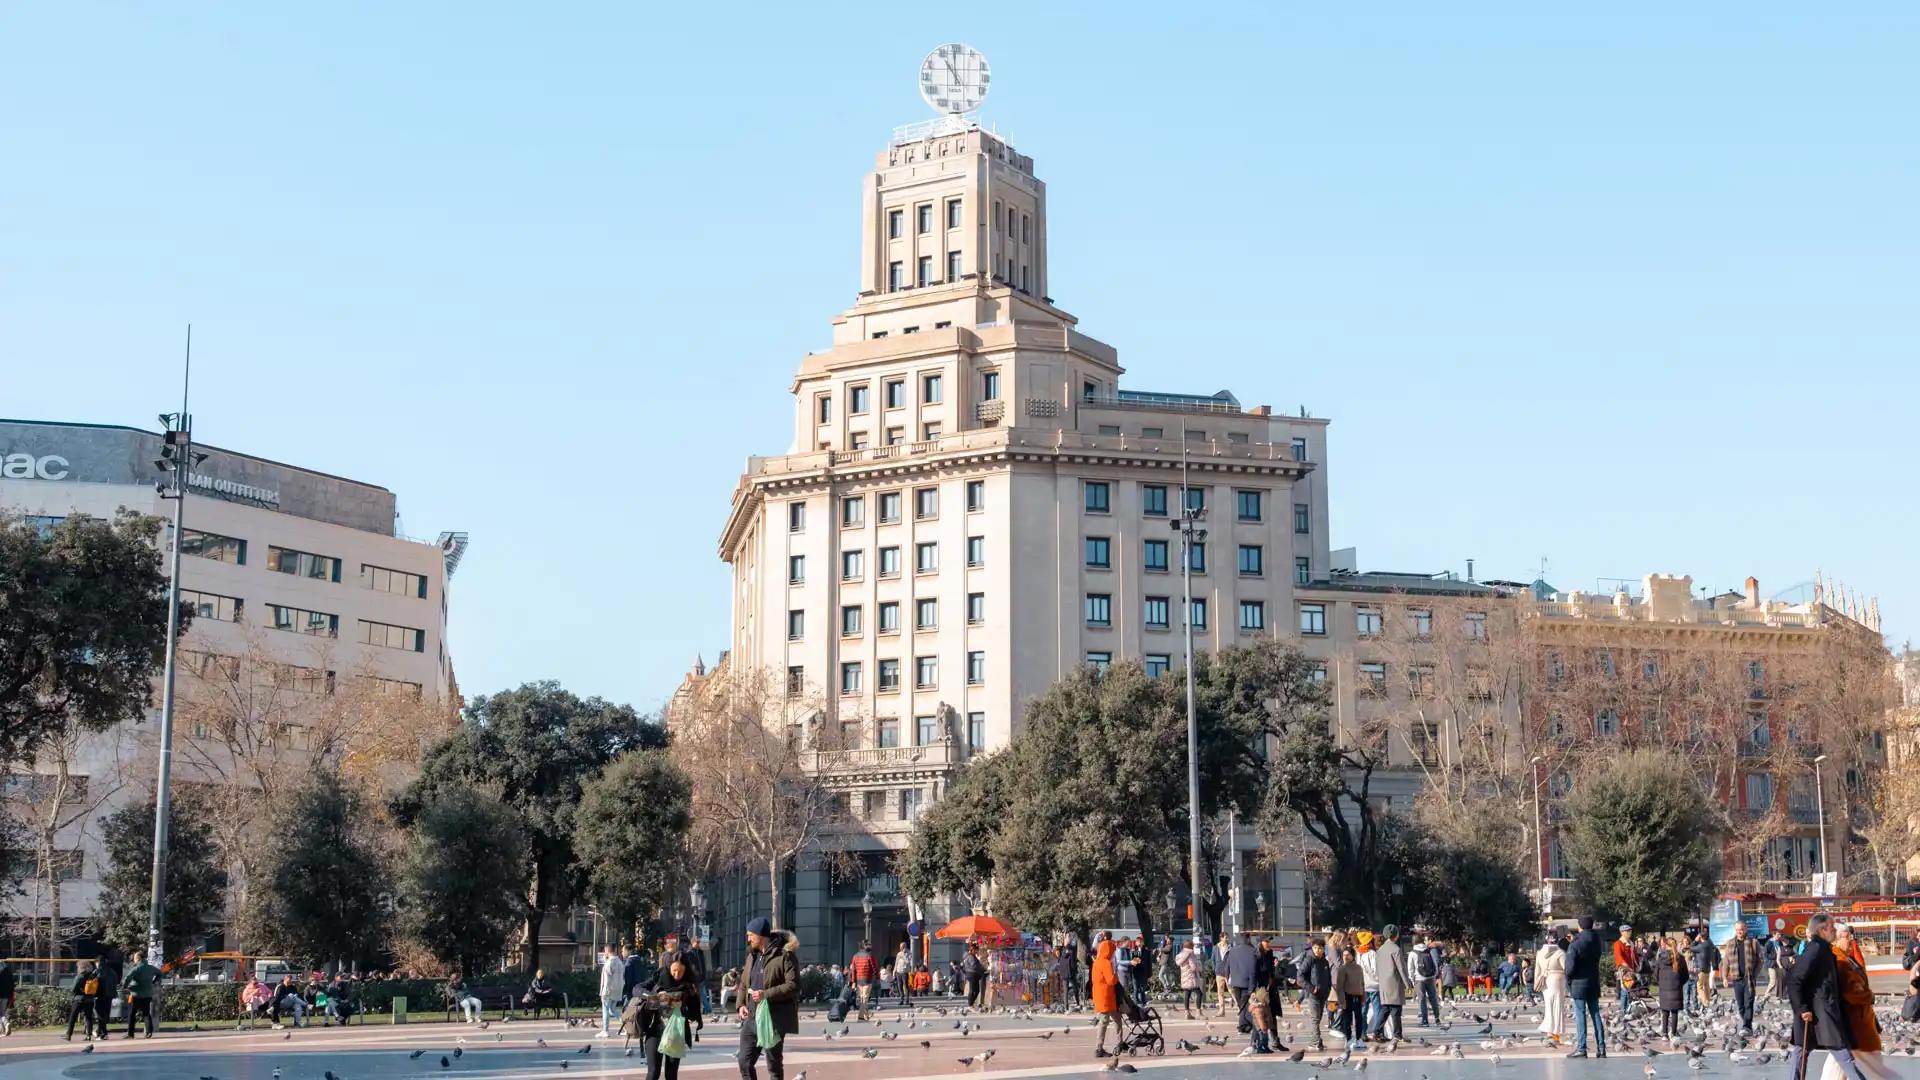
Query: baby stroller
point(1139, 1029)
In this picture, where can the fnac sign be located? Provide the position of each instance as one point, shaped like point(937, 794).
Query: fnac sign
point(28, 467)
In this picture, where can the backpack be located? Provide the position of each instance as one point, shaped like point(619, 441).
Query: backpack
point(91, 987)
point(1428, 968)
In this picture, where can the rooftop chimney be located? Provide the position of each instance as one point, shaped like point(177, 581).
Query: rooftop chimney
point(1753, 591)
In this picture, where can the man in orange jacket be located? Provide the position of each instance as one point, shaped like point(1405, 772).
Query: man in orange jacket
point(1626, 966)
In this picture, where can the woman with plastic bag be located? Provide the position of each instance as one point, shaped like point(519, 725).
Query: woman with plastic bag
point(662, 1016)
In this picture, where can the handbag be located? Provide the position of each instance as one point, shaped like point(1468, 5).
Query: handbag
point(673, 1041)
point(764, 1033)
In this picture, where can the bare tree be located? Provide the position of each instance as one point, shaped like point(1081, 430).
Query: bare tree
point(55, 804)
point(748, 742)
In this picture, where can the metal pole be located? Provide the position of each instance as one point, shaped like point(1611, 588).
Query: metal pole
point(1233, 868)
point(163, 791)
point(1539, 831)
point(1820, 805)
point(1193, 725)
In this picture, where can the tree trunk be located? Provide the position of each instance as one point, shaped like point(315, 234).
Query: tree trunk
point(773, 889)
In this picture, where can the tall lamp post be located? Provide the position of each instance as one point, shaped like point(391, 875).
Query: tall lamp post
point(1191, 534)
point(1820, 808)
point(1539, 829)
point(1260, 908)
point(866, 909)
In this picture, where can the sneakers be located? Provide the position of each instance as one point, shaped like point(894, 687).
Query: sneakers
point(604, 1034)
point(1577, 1054)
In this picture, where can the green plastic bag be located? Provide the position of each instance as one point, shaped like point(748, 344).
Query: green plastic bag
point(673, 1041)
point(763, 1030)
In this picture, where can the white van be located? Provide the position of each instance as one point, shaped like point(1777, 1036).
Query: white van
point(271, 971)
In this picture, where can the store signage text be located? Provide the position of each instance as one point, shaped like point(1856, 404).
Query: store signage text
point(28, 467)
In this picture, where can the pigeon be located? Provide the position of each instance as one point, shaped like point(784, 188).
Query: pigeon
point(870, 1053)
point(588, 1049)
point(889, 1036)
point(1362, 1067)
point(541, 1043)
point(415, 1056)
point(287, 1036)
point(444, 1063)
point(1247, 1052)
point(969, 1060)
point(1049, 1035)
point(457, 1051)
point(563, 1064)
point(1188, 1047)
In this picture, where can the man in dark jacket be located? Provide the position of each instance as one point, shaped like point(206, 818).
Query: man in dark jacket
point(1241, 963)
point(1820, 1023)
point(1740, 967)
point(142, 983)
point(773, 976)
point(1583, 988)
point(1316, 978)
point(7, 983)
point(86, 987)
point(1070, 969)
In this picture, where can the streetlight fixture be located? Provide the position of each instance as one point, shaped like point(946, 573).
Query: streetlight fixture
point(1820, 807)
point(1260, 907)
point(1188, 526)
point(866, 909)
point(1539, 828)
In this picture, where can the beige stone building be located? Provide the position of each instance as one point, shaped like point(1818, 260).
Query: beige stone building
point(973, 505)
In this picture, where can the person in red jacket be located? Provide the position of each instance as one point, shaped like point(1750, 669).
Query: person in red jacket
point(1626, 966)
point(864, 970)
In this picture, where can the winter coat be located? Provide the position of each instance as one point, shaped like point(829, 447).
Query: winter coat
point(779, 981)
point(1550, 967)
point(1419, 959)
point(1583, 967)
point(1316, 976)
point(1349, 980)
point(1730, 964)
point(613, 975)
point(1106, 984)
point(1814, 987)
point(1391, 969)
point(1672, 983)
point(1240, 966)
point(1189, 964)
point(1856, 997)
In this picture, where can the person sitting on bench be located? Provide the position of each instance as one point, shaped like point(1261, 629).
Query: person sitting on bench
point(459, 998)
point(541, 994)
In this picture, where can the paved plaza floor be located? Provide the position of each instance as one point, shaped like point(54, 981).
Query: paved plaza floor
point(1040, 1045)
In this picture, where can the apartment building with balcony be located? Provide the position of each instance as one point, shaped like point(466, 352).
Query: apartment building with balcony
point(973, 506)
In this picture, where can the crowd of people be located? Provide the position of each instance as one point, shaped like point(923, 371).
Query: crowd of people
point(98, 984)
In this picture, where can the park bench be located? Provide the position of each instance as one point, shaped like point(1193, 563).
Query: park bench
point(505, 999)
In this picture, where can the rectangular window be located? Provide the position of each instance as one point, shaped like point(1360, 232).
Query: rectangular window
point(206, 545)
point(889, 507)
point(1158, 664)
point(1155, 433)
point(953, 213)
point(923, 271)
point(1198, 616)
point(396, 582)
point(890, 617)
point(894, 436)
point(926, 558)
point(976, 732)
point(796, 569)
point(1253, 615)
point(889, 562)
point(300, 621)
point(953, 269)
point(853, 565)
point(1099, 609)
point(1420, 622)
point(1252, 560)
point(1109, 429)
point(1299, 449)
point(923, 217)
point(853, 512)
point(1420, 680)
point(1153, 500)
point(976, 551)
point(896, 276)
point(930, 431)
point(796, 680)
point(1247, 505)
point(1099, 552)
point(206, 605)
point(909, 803)
point(926, 672)
point(1302, 570)
point(404, 638)
point(857, 400)
point(1023, 278)
point(850, 677)
point(1197, 557)
point(976, 608)
point(893, 394)
point(1313, 619)
point(1196, 500)
point(990, 386)
point(889, 732)
point(889, 675)
point(1098, 496)
point(976, 668)
point(1302, 518)
point(302, 564)
point(926, 613)
point(850, 620)
point(894, 221)
point(796, 624)
point(857, 441)
point(926, 502)
point(1100, 662)
point(1373, 679)
point(1366, 621)
point(926, 730)
point(823, 408)
point(1026, 229)
point(976, 495)
point(1012, 220)
point(931, 389)
point(1154, 612)
point(1154, 555)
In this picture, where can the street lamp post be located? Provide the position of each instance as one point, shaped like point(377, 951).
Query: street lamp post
point(1188, 526)
point(1539, 828)
point(866, 909)
point(1260, 908)
point(1820, 808)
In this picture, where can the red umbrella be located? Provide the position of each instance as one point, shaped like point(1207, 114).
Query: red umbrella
point(968, 927)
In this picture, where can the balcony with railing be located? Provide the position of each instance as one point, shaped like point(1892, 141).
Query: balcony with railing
point(936, 755)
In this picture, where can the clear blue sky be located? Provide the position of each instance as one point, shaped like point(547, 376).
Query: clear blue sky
point(1634, 292)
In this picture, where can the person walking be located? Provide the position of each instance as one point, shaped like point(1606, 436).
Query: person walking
point(1550, 979)
point(865, 972)
point(903, 976)
point(1670, 980)
point(1270, 985)
point(141, 985)
point(1783, 953)
point(1703, 959)
point(613, 973)
point(1222, 993)
point(1106, 995)
point(1739, 970)
point(1369, 960)
point(1424, 969)
point(773, 977)
point(1316, 984)
point(1070, 970)
point(1856, 999)
point(974, 970)
point(110, 968)
point(1188, 963)
point(672, 991)
point(1820, 1019)
point(1241, 962)
point(1350, 988)
point(1583, 988)
point(8, 983)
point(1626, 967)
point(1391, 969)
point(84, 988)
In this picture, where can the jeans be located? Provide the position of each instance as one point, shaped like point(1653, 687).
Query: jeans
point(1429, 995)
point(289, 1003)
point(609, 1012)
point(1689, 996)
point(1743, 1000)
point(1626, 999)
point(1240, 996)
point(1194, 997)
point(1316, 1010)
point(470, 1007)
point(1348, 1022)
point(750, 1052)
point(1373, 1010)
point(140, 1008)
point(1583, 1007)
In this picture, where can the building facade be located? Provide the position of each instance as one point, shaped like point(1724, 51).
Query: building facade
point(303, 595)
point(974, 506)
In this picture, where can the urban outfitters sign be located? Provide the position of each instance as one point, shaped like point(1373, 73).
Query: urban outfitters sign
point(29, 467)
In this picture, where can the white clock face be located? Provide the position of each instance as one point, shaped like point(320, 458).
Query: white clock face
point(954, 78)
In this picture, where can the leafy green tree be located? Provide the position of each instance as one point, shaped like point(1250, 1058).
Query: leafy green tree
point(629, 834)
point(321, 876)
point(951, 848)
point(83, 626)
point(536, 746)
point(1642, 838)
point(196, 882)
point(1459, 892)
point(463, 878)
